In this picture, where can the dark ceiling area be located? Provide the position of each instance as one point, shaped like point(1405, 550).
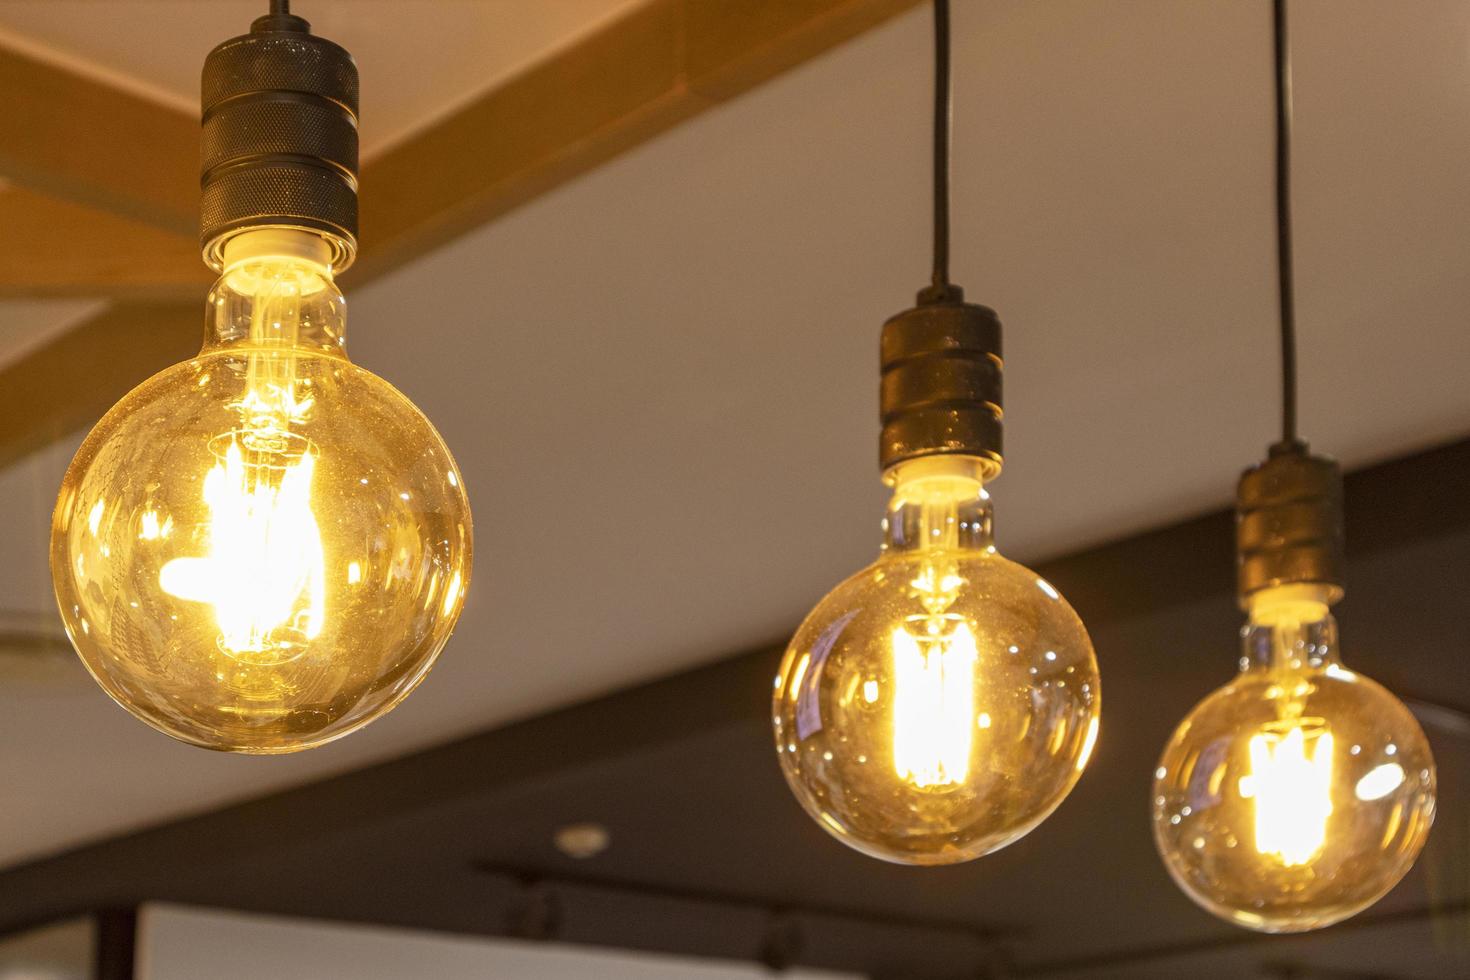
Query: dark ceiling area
point(711, 856)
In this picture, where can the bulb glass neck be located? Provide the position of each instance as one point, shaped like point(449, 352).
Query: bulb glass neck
point(277, 292)
point(939, 505)
point(1291, 629)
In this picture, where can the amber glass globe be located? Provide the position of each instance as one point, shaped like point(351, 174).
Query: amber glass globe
point(1299, 793)
point(939, 704)
point(263, 548)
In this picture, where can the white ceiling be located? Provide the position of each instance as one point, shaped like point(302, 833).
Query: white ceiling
point(418, 59)
point(660, 380)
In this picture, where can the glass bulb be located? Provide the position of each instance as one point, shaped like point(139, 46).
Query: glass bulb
point(1299, 793)
point(940, 703)
point(263, 548)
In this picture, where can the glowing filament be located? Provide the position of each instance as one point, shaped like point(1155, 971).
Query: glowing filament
point(1293, 794)
point(933, 706)
point(264, 574)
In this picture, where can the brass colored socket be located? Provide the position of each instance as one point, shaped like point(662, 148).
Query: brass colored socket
point(941, 385)
point(1289, 524)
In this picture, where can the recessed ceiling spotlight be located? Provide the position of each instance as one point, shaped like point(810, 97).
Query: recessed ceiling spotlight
point(582, 840)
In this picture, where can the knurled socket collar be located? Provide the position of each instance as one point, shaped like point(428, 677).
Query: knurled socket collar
point(1289, 523)
point(280, 138)
point(941, 388)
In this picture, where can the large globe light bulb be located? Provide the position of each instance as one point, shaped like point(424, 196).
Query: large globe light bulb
point(1299, 793)
point(940, 703)
point(263, 548)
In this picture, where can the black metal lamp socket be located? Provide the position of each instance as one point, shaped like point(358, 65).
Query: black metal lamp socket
point(1289, 522)
point(941, 385)
point(280, 137)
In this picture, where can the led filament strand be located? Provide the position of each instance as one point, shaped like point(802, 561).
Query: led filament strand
point(1290, 783)
point(933, 707)
point(265, 571)
point(934, 658)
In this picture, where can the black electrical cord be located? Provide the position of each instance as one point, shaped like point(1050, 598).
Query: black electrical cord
point(280, 19)
point(1285, 282)
point(942, 114)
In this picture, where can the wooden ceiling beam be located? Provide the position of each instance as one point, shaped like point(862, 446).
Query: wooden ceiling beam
point(75, 138)
point(732, 46)
point(55, 248)
point(661, 64)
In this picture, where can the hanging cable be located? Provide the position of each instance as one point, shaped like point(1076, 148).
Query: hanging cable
point(941, 390)
point(942, 114)
point(1285, 282)
point(280, 19)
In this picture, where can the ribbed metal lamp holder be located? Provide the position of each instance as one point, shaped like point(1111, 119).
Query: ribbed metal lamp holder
point(1289, 522)
point(941, 387)
point(280, 138)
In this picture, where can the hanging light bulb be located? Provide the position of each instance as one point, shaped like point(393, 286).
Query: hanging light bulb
point(1301, 792)
point(940, 703)
point(265, 547)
